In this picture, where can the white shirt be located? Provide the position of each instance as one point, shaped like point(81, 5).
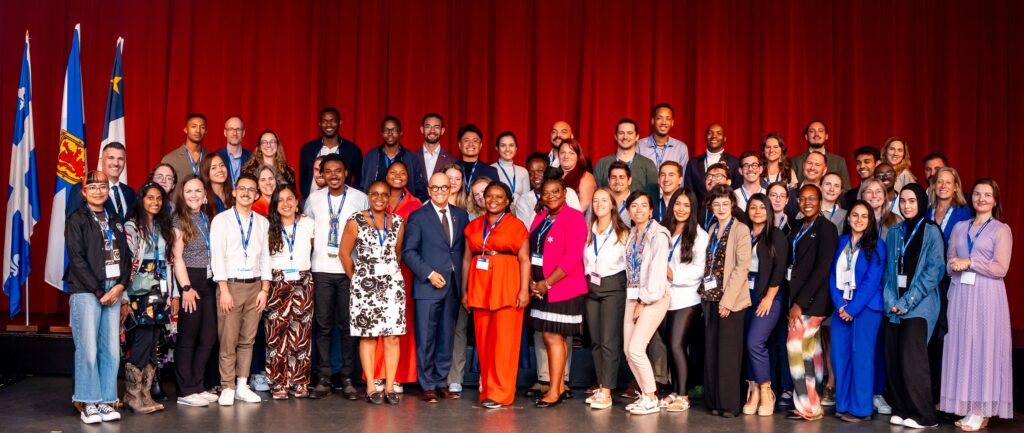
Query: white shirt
point(228, 256)
point(324, 150)
point(446, 216)
point(524, 208)
point(510, 174)
point(299, 258)
point(610, 258)
point(712, 158)
point(316, 210)
point(843, 275)
point(686, 278)
point(742, 196)
point(553, 160)
point(430, 158)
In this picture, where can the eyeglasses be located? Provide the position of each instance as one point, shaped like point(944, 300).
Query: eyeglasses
point(751, 165)
point(391, 131)
point(716, 177)
point(163, 177)
point(437, 188)
point(885, 175)
point(246, 189)
point(268, 142)
point(234, 130)
point(97, 187)
point(429, 127)
point(777, 195)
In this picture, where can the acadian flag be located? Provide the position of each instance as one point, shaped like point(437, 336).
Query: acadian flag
point(113, 127)
point(22, 191)
point(70, 163)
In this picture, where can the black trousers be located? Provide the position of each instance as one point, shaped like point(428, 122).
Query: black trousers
point(197, 336)
point(935, 346)
point(144, 339)
point(723, 356)
point(680, 325)
point(906, 365)
point(605, 306)
point(331, 302)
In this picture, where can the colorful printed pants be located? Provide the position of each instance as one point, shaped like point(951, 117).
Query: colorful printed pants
point(289, 323)
point(806, 365)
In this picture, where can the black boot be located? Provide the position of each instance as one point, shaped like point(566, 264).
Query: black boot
point(155, 390)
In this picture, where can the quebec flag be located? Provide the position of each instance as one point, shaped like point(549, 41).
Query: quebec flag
point(22, 191)
point(70, 163)
point(113, 127)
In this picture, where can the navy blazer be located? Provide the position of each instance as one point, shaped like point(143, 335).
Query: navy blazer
point(808, 286)
point(693, 174)
point(349, 152)
point(482, 169)
point(958, 213)
point(425, 250)
point(867, 274)
point(372, 170)
point(224, 155)
point(76, 200)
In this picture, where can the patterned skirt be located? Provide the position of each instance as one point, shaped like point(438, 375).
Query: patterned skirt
point(289, 322)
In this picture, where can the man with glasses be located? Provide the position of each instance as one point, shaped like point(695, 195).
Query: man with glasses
point(433, 248)
point(380, 158)
point(233, 154)
point(187, 158)
point(329, 142)
point(714, 138)
point(887, 175)
point(751, 169)
point(121, 196)
point(659, 147)
point(330, 208)
point(816, 135)
point(433, 156)
point(240, 261)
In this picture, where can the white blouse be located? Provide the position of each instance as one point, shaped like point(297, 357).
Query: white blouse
point(686, 278)
point(610, 256)
point(299, 258)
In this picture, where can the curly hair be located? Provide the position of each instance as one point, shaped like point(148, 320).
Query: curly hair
point(274, 238)
point(162, 219)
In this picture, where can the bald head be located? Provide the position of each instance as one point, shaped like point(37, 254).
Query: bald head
point(438, 188)
point(560, 131)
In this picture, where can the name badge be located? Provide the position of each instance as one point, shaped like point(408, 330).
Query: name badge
point(710, 282)
point(848, 293)
point(163, 287)
point(333, 255)
point(291, 274)
point(968, 277)
point(113, 271)
point(632, 293)
point(848, 279)
point(482, 263)
point(789, 273)
point(244, 272)
point(536, 259)
point(751, 283)
point(901, 281)
point(209, 272)
point(595, 279)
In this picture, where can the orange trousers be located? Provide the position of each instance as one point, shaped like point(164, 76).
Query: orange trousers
point(498, 335)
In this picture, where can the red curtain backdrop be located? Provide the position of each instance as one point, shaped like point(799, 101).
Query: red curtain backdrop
point(939, 73)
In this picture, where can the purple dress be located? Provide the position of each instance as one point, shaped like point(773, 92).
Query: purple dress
point(977, 371)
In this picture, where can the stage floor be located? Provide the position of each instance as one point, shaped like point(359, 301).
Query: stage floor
point(38, 404)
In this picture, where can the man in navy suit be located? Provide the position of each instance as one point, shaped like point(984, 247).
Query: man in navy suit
point(696, 168)
point(433, 249)
point(122, 196)
point(380, 158)
point(233, 154)
point(329, 142)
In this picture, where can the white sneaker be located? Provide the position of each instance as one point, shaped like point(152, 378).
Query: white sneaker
point(455, 387)
point(227, 397)
point(896, 420)
point(260, 383)
point(645, 406)
point(242, 392)
point(194, 400)
point(909, 423)
point(91, 414)
point(881, 406)
point(208, 396)
point(635, 403)
point(108, 413)
point(397, 387)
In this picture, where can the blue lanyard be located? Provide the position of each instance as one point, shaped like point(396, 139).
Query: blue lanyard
point(674, 245)
point(634, 258)
point(707, 219)
point(488, 229)
point(664, 150)
point(382, 236)
point(661, 208)
point(235, 166)
point(204, 231)
point(799, 235)
point(607, 235)
point(754, 237)
point(291, 240)
point(718, 237)
point(400, 199)
point(156, 242)
point(107, 231)
point(851, 249)
point(512, 181)
point(945, 218)
point(469, 179)
point(245, 235)
point(906, 241)
point(970, 242)
point(630, 163)
point(545, 225)
point(622, 208)
point(388, 161)
point(194, 163)
point(330, 207)
point(746, 198)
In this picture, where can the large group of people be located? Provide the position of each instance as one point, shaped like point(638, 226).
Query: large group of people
point(710, 277)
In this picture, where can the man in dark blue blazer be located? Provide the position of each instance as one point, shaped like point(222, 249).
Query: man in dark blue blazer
point(470, 144)
point(329, 142)
point(380, 158)
point(122, 196)
point(433, 248)
point(234, 155)
point(696, 168)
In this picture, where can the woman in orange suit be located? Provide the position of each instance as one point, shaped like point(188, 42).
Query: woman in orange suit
point(495, 278)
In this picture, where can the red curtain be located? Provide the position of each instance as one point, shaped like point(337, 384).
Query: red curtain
point(939, 73)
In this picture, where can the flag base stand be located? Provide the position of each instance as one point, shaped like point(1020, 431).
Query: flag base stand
point(22, 328)
point(60, 329)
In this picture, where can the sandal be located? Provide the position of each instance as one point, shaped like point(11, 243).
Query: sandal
point(680, 404)
point(667, 401)
point(973, 423)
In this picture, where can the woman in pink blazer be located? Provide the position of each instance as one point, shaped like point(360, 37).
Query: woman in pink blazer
point(558, 235)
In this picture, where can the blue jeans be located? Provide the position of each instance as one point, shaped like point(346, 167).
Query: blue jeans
point(94, 328)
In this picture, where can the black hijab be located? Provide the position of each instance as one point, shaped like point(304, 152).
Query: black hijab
point(913, 252)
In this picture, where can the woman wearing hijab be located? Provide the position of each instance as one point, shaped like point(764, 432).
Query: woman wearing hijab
point(911, 287)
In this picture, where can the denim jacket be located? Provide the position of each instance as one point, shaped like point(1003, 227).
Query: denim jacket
point(922, 297)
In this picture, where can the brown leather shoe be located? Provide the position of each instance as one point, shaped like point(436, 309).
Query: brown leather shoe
point(429, 396)
point(444, 393)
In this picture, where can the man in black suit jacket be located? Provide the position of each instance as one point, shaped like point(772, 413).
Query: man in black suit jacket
point(434, 254)
point(471, 140)
point(122, 196)
point(329, 142)
point(379, 159)
point(432, 129)
point(715, 138)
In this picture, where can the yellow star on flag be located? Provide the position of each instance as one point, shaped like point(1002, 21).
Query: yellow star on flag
point(115, 81)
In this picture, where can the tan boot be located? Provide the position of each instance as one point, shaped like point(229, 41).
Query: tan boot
point(767, 405)
point(148, 376)
point(133, 390)
point(750, 407)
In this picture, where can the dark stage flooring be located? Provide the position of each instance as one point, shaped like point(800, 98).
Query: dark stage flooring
point(41, 404)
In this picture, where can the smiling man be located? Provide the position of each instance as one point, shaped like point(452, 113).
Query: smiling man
point(816, 135)
point(470, 144)
point(714, 138)
point(866, 158)
point(233, 154)
point(380, 158)
point(187, 158)
point(641, 169)
point(659, 146)
point(121, 196)
point(329, 142)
